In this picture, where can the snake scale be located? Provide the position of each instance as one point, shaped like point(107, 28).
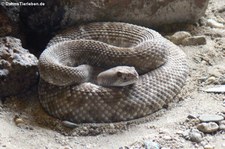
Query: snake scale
point(162, 67)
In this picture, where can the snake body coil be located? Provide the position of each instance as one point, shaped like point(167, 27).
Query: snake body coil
point(65, 93)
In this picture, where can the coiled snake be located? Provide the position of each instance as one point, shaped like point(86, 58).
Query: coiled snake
point(65, 90)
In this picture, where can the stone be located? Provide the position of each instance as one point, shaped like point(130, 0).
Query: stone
point(195, 136)
point(18, 67)
point(221, 79)
point(222, 122)
point(150, 13)
point(69, 124)
point(221, 9)
point(191, 116)
point(125, 147)
point(151, 145)
point(166, 137)
point(214, 24)
point(19, 121)
point(194, 121)
point(194, 41)
point(178, 37)
point(216, 89)
point(208, 127)
point(211, 118)
point(222, 125)
point(142, 12)
point(211, 80)
point(3, 145)
point(208, 147)
point(185, 134)
point(217, 70)
point(112, 126)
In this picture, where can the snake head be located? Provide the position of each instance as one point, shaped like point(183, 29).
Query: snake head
point(118, 76)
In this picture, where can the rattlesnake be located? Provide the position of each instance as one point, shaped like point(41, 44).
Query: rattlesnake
point(162, 67)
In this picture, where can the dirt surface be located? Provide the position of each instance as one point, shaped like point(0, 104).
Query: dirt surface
point(24, 124)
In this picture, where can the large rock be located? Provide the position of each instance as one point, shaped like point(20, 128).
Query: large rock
point(18, 68)
point(42, 22)
point(61, 13)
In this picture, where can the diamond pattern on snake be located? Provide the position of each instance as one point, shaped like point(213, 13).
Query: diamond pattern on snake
point(109, 72)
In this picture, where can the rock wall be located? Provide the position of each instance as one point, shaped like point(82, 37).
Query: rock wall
point(42, 22)
point(18, 68)
point(151, 13)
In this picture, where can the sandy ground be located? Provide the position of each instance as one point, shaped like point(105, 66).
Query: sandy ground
point(24, 125)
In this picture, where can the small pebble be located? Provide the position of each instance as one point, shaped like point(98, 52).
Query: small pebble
point(202, 21)
point(195, 121)
point(193, 41)
point(19, 121)
point(208, 147)
point(222, 122)
point(167, 137)
point(211, 80)
point(210, 118)
point(208, 127)
point(125, 147)
point(222, 9)
point(222, 79)
point(186, 135)
point(69, 124)
point(204, 142)
point(203, 62)
point(195, 136)
point(214, 24)
point(151, 145)
point(3, 145)
point(112, 126)
point(196, 145)
point(191, 116)
point(179, 132)
point(178, 37)
point(85, 128)
point(222, 125)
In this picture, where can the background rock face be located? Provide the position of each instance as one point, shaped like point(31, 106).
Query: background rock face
point(58, 14)
point(7, 26)
point(9, 20)
point(18, 68)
